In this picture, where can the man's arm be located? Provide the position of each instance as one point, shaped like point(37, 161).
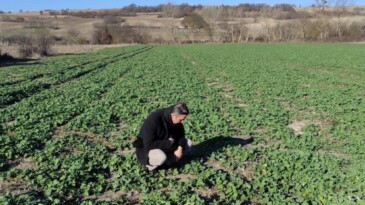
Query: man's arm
point(180, 136)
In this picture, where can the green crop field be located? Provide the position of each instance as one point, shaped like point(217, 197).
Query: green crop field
point(271, 124)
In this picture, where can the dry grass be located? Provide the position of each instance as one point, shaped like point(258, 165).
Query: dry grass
point(157, 28)
point(63, 49)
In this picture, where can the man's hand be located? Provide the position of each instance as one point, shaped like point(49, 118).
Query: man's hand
point(178, 153)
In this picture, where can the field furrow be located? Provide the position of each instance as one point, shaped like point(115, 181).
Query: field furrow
point(270, 123)
point(12, 94)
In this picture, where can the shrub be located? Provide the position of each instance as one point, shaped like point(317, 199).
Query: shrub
point(39, 42)
point(43, 41)
point(101, 36)
point(26, 47)
point(114, 33)
point(106, 38)
point(195, 21)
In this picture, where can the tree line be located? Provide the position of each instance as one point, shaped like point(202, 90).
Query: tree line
point(195, 24)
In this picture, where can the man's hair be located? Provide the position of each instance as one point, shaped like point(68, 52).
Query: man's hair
point(180, 109)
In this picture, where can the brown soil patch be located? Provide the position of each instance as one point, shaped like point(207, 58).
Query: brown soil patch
point(227, 88)
point(286, 105)
point(246, 171)
point(132, 196)
point(226, 95)
point(11, 123)
point(14, 186)
point(63, 49)
point(120, 127)
point(61, 131)
point(324, 124)
point(217, 165)
point(78, 49)
point(25, 163)
point(243, 105)
point(207, 193)
point(21, 163)
point(297, 126)
point(112, 177)
point(124, 152)
point(110, 196)
point(182, 177)
point(336, 154)
point(262, 130)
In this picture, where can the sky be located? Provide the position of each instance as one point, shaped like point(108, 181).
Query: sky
point(38, 5)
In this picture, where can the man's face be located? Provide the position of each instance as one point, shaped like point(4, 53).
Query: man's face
point(177, 119)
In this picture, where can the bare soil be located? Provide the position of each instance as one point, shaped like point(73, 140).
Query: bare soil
point(243, 171)
point(182, 177)
point(62, 49)
point(15, 187)
point(61, 131)
point(297, 126)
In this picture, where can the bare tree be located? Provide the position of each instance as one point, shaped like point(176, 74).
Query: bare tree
point(242, 30)
point(322, 4)
point(340, 9)
point(169, 12)
point(304, 27)
point(228, 24)
point(287, 31)
point(212, 14)
point(268, 24)
point(322, 21)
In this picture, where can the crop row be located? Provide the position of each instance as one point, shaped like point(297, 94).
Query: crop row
point(13, 93)
point(242, 98)
point(29, 123)
point(266, 92)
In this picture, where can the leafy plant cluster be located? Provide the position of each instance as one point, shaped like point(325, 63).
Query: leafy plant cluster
point(78, 130)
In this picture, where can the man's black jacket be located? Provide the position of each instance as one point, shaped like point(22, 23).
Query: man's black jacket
point(155, 133)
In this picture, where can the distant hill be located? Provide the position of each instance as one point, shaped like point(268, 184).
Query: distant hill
point(166, 24)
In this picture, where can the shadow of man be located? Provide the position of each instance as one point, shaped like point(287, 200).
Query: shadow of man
point(204, 149)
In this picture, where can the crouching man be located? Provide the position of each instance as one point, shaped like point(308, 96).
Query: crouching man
point(161, 139)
